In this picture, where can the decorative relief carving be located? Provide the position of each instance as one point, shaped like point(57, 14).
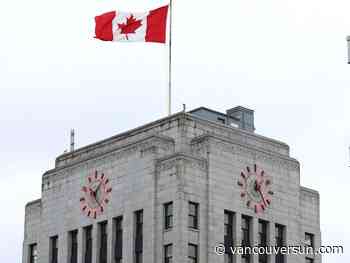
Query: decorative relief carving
point(163, 165)
point(187, 160)
point(150, 150)
point(177, 164)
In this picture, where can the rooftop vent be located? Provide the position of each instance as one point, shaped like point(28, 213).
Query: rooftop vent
point(238, 117)
point(245, 117)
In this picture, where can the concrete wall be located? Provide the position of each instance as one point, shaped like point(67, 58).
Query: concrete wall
point(32, 225)
point(181, 158)
point(310, 216)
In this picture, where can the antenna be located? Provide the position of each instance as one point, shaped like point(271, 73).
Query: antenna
point(184, 107)
point(348, 39)
point(72, 142)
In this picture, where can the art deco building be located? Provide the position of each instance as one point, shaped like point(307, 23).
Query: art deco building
point(171, 191)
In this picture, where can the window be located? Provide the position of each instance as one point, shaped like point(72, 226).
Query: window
point(118, 250)
point(262, 233)
point(279, 236)
point(168, 253)
point(73, 239)
point(309, 240)
point(309, 260)
point(138, 236)
point(245, 231)
point(262, 239)
point(228, 238)
point(229, 227)
point(138, 258)
point(192, 253)
point(246, 237)
point(228, 257)
point(54, 249)
point(168, 215)
point(245, 258)
point(103, 242)
point(193, 215)
point(88, 244)
point(33, 253)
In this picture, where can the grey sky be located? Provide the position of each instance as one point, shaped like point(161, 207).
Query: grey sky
point(285, 59)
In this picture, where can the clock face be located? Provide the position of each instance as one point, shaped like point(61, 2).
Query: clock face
point(95, 195)
point(255, 188)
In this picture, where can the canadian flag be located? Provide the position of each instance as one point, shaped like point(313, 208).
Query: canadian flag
point(127, 26)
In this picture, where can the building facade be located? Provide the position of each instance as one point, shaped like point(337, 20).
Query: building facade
point(171, 191)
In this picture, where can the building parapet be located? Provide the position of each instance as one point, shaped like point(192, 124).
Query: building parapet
point(66, 161)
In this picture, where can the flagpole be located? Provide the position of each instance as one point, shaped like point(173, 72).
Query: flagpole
point(348, 39)
point(170, 47)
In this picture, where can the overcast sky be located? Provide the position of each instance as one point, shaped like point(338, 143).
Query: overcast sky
point(284, 59)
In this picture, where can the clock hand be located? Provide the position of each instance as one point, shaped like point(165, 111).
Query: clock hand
point(98, 187)
point(97, 202)
point(91, 192)
point(262, 196)
point(256, 186)
point(97, 190)
point(95, 186)
point(258, 189)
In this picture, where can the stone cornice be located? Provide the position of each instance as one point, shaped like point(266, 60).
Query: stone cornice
point(145, 143)
point(309, 191)
point(208, 137)
point(160, 123)
point(272, 143)
point(32, 203)
point(137, 135)
point(119, 137)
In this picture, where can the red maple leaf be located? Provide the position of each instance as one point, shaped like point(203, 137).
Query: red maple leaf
point(130, 27)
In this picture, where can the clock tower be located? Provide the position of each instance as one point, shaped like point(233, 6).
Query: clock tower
point(173, 190)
